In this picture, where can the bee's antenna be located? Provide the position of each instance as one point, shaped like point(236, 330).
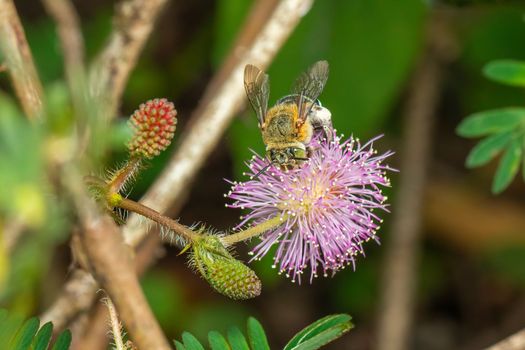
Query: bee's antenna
point(261, 171)
point(300, 158)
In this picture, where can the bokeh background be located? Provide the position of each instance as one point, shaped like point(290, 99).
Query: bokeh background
point(471, 262)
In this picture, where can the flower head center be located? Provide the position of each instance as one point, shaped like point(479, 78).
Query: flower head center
point(304, 196)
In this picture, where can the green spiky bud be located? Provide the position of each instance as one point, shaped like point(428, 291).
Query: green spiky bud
point(223, 272)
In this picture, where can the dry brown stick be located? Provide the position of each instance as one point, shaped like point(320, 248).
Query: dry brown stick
point(514, 342)
point(72, 42)
point(403, 247)
point(19, 61)
point(68, 26)
point(209, 122)
point(93, 333)
point(133, 23)
point(79, 293)
point(111, 264)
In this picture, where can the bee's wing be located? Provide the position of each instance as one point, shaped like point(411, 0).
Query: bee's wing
point(257, 88)
point(309, 86)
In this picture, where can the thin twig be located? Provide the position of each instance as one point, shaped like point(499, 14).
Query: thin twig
point(514, 342)
point(403, 248)
point(19, 61)
point(112, 266)
point(133, 23)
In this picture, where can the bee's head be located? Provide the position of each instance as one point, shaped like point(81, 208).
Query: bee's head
point(286, 156)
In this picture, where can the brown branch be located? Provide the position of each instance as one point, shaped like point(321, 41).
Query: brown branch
point(221, 101)
point(79, 293)
point(19, 61)
point(403, 248)
point(91, 332)
point(68, 27)
point(514, 342)
point(133, 23)
point(112, 266)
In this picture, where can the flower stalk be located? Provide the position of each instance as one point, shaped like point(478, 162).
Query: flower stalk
point(256, 230)
point(154, 215)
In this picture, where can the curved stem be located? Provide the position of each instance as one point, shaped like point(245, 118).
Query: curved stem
point(255, 230)
point(191, 235)
point(154, 215)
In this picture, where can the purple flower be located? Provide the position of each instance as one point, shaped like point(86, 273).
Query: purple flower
point(327, 206)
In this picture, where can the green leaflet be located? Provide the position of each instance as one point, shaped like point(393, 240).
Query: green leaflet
point(487, 149)
point(63, 341)
point(190, 342)
point(256, 335)
point(510, 72)
point(237, 339)
point(508, 166)
point(26, 334)
point(492, 121)
point(179, 345)
point(19, 335)
point(320, 332)
point(217, 341)
point(43, 337)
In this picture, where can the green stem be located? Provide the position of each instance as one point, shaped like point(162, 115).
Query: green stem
point(154, 215)
point(255, 230)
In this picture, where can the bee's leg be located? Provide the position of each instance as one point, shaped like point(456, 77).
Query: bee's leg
point(309, 151)
point(321, 119)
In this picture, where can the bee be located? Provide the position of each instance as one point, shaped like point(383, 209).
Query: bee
point(288, 126)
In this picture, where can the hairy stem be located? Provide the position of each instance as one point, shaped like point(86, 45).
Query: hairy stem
point(255, 230)
point(116, 327)
point(154, 215)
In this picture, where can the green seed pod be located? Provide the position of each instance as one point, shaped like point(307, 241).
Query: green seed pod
point(223, 272)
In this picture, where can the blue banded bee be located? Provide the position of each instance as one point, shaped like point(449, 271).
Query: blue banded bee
point(288, 126)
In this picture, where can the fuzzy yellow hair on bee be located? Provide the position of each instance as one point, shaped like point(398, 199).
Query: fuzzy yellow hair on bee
point(288, 126)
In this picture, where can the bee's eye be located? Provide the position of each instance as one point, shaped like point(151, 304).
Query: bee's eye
point(299, 153)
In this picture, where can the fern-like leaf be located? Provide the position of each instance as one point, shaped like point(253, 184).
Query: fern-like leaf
point(18, 335)
point(312, 337)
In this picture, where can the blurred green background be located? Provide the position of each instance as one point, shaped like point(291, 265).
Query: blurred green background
point(472, 272)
